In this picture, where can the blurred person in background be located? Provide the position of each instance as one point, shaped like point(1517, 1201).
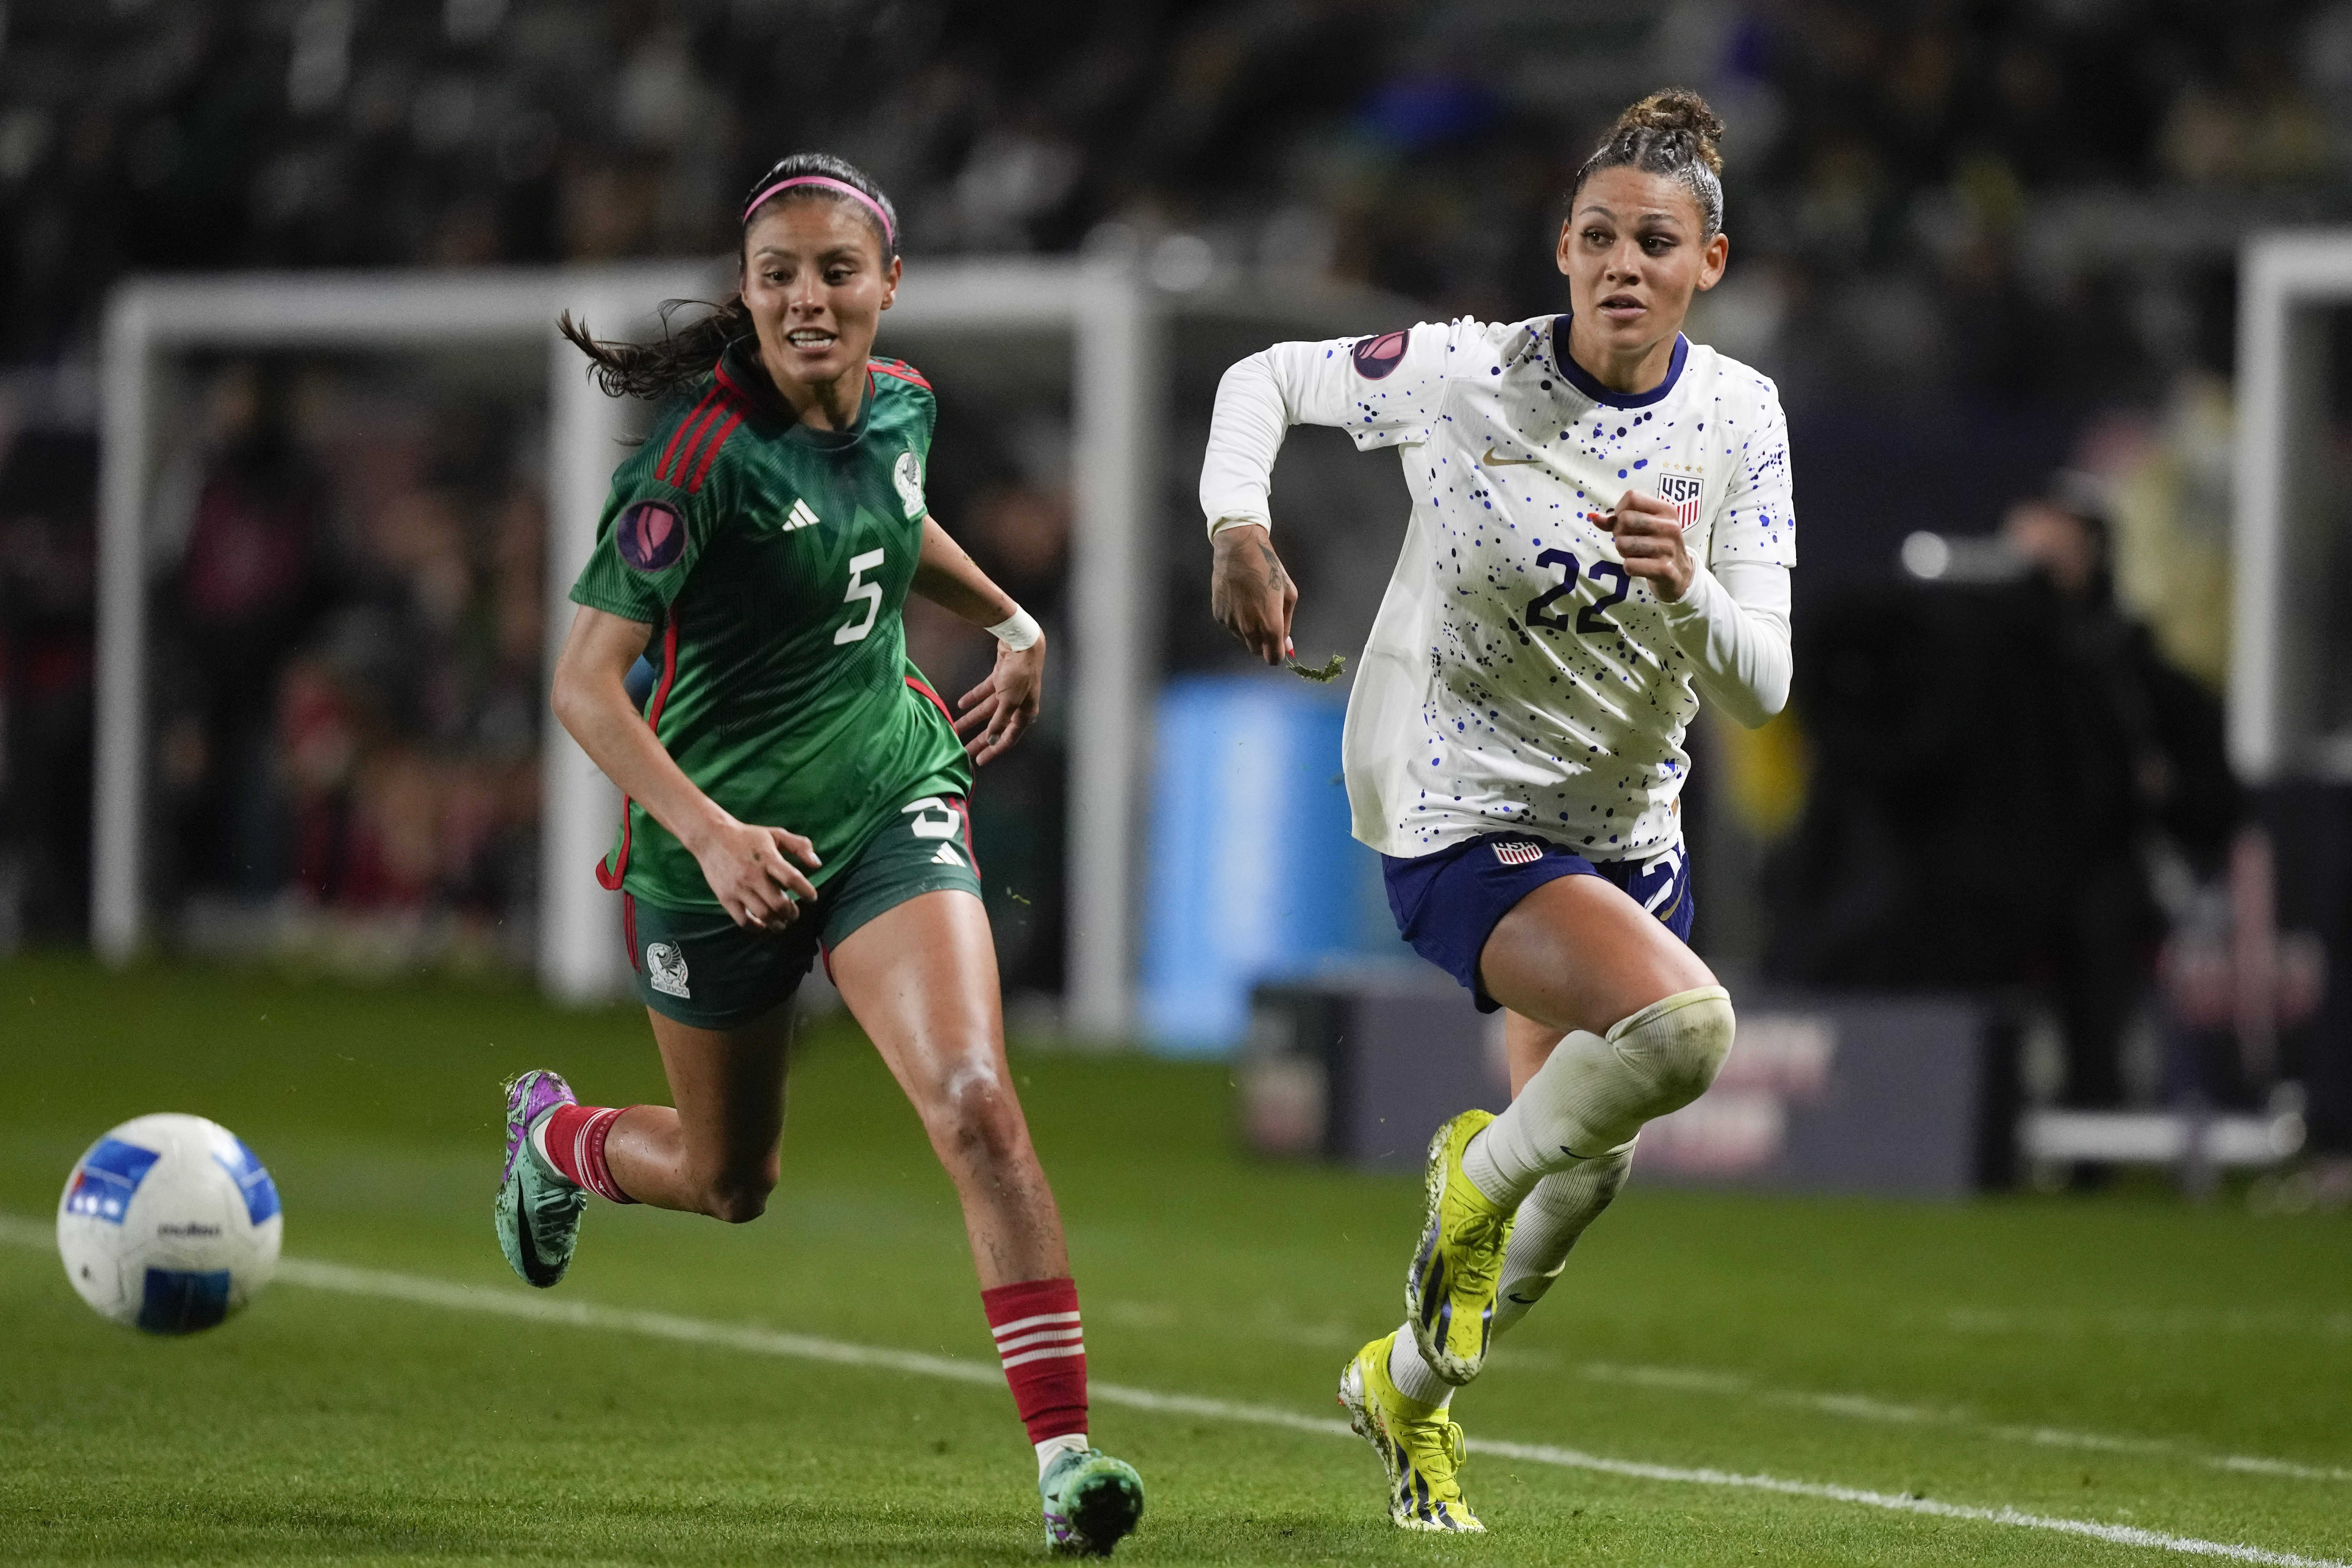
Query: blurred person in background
point(1945, 712)
point(248, 589)
point(2152, 787)
point(1603, 527)
point(48, 599)
point(771, 529)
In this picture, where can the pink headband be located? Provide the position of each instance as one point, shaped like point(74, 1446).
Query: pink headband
point(831, 185)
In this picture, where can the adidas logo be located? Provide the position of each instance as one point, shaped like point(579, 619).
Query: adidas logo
point(799, 517)
point(947, 856)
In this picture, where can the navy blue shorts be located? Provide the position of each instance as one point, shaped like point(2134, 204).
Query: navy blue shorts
point(1448, 904)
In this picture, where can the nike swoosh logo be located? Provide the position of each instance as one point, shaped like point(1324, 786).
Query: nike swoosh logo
point(1492, 461)
point(1522, 1301)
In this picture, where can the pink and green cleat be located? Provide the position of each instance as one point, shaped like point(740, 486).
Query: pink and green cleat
point(537, 1209)
point(1091, 1501)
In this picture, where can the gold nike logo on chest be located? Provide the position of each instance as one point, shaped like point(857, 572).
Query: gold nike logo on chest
point(1492, 461)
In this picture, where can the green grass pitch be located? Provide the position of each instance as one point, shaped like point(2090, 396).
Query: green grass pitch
point(2121, 1361)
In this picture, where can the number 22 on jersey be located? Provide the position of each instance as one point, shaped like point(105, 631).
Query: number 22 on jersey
point(1589, 617)
point(859, 588)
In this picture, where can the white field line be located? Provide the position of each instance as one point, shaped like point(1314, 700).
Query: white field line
point(1735, 1386)
point(380, 1285)
point(1860, 1408)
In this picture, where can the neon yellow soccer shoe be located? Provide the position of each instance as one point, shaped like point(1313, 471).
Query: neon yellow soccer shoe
point(1418, 1447)
point(1449, 1291)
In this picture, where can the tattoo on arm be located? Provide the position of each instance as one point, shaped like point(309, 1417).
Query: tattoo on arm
point(1274, 574)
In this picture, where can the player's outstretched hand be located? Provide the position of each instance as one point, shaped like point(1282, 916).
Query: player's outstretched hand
point(1650, 542)
point(1000, 710)
point(1250, 594)
point(748, 869)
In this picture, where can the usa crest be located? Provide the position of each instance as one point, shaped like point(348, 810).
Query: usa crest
point(1681, 492)
point(1520, 853)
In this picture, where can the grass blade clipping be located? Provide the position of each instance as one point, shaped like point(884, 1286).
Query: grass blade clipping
point(1329, 670)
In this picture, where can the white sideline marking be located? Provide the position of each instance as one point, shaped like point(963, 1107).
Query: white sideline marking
point(1732, 1385)
point(1860, 1408)
point(504, 1302)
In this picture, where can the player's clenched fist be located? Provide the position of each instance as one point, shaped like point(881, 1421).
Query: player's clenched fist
point(1650, 541)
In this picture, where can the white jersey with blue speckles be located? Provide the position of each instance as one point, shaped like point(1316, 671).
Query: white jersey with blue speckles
point(1518, 677)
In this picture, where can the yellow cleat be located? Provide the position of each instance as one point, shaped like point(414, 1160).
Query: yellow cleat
point(1418, 1447)
point(1449, 1291)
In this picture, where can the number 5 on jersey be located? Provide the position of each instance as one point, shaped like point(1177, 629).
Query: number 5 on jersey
point(859, 588)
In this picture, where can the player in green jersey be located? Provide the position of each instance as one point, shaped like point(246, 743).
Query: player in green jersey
point(796, 789)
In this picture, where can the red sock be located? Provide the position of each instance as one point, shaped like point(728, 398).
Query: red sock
point(574, 1142)
point(1044, 1351)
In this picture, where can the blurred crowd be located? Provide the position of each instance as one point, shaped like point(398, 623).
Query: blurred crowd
point(349, 635)
point(2023, 199)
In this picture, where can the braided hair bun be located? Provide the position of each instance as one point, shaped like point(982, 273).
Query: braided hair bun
point(1673, 133)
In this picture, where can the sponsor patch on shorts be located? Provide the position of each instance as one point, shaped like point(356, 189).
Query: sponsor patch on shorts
point(1523, 852)
point(666, 969)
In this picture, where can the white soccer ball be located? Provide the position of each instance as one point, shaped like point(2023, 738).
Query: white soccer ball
point(169, 1224)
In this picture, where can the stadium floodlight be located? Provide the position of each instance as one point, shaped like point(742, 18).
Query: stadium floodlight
point(1104, 311)
point(2290, 675)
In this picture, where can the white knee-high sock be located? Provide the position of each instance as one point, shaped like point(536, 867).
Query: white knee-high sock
point(1550, 1219)
point(1594, 1092)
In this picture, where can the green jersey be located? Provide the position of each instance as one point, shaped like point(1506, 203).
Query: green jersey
point(773, 561)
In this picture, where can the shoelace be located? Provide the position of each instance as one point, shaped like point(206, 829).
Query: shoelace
point(1439, 1461)
point(1457, 1449)
point(1483, 1237)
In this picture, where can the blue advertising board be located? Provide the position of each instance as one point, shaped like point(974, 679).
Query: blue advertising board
point(1252, 873)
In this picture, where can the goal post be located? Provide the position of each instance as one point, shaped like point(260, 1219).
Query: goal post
point(2290, 711)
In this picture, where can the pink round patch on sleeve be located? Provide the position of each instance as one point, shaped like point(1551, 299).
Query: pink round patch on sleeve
point(1376, 357)
point(650, 535)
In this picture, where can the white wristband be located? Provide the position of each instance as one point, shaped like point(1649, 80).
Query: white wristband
point(1019, 631)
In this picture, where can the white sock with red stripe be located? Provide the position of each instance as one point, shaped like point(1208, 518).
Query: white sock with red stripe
point(571, 1138)
point(1044, 1351)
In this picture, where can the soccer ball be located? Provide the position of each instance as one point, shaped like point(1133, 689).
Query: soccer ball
point(169, 1224)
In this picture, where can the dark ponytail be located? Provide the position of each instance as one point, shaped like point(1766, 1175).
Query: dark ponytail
point(676, 362)
point(1673, 133)
point(683, 356)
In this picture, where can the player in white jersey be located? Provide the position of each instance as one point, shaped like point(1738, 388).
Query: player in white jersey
point(1602, 530)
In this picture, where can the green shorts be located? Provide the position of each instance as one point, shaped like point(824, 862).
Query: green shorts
point(701, 968)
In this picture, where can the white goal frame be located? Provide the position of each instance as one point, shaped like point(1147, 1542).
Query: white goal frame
point(1118, 375)
point(2277, 620)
